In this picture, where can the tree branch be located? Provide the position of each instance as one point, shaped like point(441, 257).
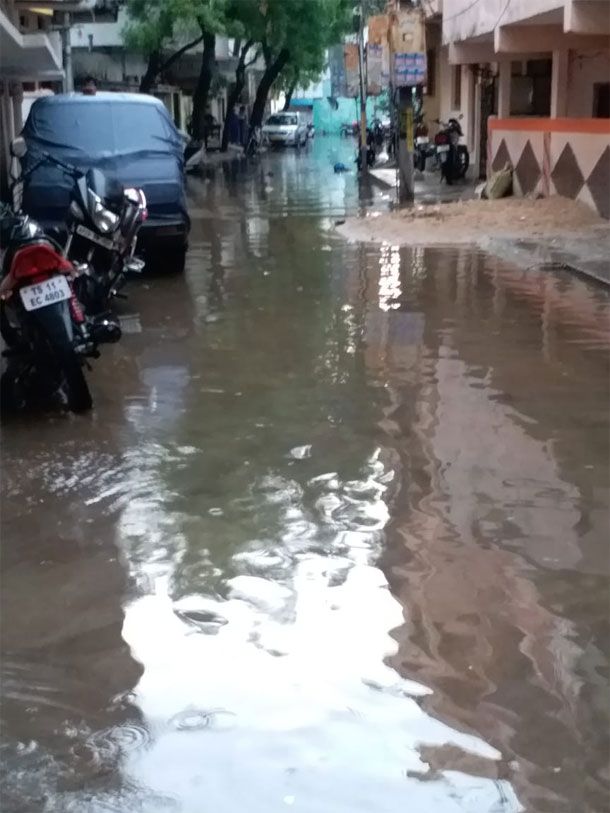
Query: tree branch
point(253, 60)
point(175, 56)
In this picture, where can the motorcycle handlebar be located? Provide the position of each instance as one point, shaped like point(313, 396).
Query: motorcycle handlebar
point(71, 170)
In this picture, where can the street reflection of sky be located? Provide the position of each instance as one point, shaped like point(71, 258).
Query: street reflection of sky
point(281, 682)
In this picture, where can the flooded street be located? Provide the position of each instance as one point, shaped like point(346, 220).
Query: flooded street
point(334, 539)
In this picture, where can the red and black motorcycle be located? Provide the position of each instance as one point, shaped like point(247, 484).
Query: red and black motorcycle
point(45, 333)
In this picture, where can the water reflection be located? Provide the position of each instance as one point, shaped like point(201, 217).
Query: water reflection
point(69, 719)
point(333, 540)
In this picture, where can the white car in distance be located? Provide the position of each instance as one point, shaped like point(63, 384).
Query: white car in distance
point(286, 129)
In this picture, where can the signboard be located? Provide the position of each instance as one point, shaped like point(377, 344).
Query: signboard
point(378, 54)
point(352, 71)
point(408, 40)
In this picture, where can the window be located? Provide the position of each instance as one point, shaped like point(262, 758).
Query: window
point(456, 87)
point(431, 80)
point(601, 100)
point(530, 90)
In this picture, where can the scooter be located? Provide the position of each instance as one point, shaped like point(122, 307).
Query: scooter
point(453, 156)
point(422, 143)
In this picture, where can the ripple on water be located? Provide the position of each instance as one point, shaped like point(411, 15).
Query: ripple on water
point(116, 741)
point(193, 719)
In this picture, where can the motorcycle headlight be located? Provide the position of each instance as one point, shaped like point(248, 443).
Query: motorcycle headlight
point(105, 220)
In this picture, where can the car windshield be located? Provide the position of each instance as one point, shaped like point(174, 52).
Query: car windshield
point(282, 121)
point(101, 127)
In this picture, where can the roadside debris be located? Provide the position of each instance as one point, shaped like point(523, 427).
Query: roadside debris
point(473, 221)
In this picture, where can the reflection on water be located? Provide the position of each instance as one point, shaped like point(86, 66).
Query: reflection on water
point(332, 541)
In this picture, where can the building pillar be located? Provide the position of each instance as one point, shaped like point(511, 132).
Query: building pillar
point(5, 136)
point(559, 85)
point(17, 98)
point(469, 108)
point(504, 83)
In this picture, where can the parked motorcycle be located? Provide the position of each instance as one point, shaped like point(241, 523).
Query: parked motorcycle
point(371, 153)
point(254, 143)
point(41, 321)
point(102, 229)
point(453, 156)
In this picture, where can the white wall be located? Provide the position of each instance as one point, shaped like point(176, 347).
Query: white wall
point(463, 19)
point(585, 68)
point(109, 35)
point(112, 67)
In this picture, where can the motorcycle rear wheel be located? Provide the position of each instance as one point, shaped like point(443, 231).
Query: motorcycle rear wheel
point(463, 161)
point(54, 323)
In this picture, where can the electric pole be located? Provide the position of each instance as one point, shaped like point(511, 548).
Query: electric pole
point(363, 147)
point(404, 120)
point(66, 47)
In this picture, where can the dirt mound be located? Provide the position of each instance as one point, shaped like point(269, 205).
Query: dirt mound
point(473, 220)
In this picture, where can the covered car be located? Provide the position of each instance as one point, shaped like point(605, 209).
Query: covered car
point(130, 137)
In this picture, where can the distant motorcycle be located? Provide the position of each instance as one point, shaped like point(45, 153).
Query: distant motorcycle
point(421, 148)
point(255, 140)
point(453, 156)
point(371, 154)
point(103, 223)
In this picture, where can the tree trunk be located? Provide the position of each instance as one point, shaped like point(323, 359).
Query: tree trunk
point(289, 93)
point(202, 91)
point(235, 92)
point(152, 71)
point(272, 71)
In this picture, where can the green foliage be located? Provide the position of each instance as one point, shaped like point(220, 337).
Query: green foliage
point(303, 28)
point(155, 25)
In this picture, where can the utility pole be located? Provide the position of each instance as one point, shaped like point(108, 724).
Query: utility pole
point(406, 187)
point(404, 121)
point(363, 147)
point(66, 47)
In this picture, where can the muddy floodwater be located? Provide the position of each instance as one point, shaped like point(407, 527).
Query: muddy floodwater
point(334, 539)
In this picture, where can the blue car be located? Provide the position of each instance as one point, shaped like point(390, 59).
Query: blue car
point(130, 137)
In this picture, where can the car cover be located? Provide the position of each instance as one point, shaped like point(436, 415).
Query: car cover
point(130, 138)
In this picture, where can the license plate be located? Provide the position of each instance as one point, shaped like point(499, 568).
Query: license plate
point(95, 238)
point(443, 148)
point(422, 140)
point(45, 293)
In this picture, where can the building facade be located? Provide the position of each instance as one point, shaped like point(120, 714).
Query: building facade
point(531, 80)
point(30, 62)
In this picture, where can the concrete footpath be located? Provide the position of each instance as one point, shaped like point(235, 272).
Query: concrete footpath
point(585, 256)
point(428, 186)
point(588, 256)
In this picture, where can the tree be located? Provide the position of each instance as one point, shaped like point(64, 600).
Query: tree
point(295, 33)
point(238, 86)
point(153, 27)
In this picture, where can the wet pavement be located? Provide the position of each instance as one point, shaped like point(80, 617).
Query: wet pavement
point(333, 540)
